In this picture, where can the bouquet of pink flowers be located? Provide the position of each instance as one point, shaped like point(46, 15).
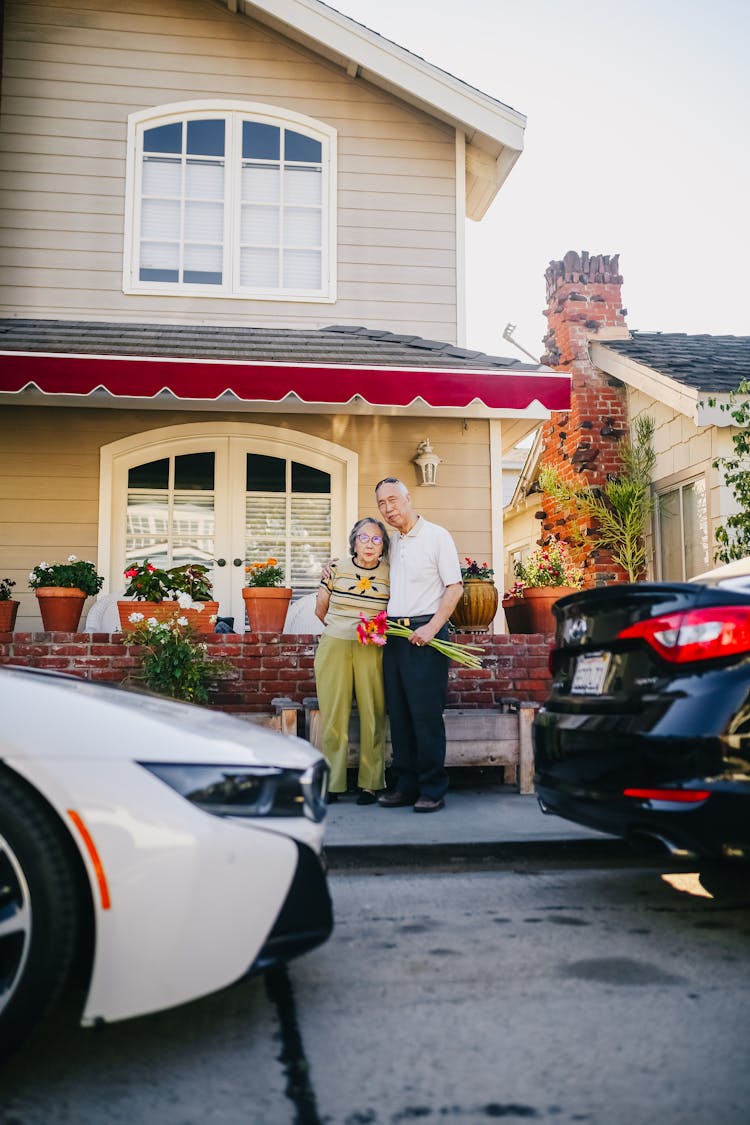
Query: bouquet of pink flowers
point(374, 630)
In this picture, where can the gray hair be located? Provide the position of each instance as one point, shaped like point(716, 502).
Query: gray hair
point(358, 527)
point(392, 480)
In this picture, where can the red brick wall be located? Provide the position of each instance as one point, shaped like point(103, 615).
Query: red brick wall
point(583, 296)
point(271, 666)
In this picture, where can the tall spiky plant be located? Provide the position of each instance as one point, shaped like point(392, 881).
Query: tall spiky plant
point(621, 508)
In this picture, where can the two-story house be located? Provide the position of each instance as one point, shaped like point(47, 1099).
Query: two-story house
point(232, 294)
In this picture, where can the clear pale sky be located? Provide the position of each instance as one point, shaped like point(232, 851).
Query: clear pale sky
point(637, 143)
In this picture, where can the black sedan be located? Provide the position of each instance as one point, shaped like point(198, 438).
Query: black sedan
point(646, 732)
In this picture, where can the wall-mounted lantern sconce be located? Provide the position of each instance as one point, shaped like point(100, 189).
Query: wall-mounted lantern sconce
point(427, 462)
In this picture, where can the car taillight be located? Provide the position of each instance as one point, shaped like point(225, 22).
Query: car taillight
point(698, 634)
point(677, 796)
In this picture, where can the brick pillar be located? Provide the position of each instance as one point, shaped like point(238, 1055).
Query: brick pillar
point(584, 301)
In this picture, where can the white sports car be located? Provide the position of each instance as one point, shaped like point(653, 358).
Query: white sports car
point(173, 848)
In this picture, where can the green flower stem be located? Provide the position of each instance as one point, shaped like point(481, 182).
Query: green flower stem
point(461, 654)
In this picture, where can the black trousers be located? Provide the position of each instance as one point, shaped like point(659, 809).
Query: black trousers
point(416, 690)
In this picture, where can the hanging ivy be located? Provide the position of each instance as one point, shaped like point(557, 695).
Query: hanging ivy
point(733, 536)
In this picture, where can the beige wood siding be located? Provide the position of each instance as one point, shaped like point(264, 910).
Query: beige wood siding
point(685, 451)
point(72, 74)
point(50, 458)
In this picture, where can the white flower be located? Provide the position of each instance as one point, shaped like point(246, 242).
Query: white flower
point(71, 558)
point(43, 565)
point(185, 601)
point(151, 621)
point(182, 620)
point(32, 576)
point(135, 618)
point(198, 607)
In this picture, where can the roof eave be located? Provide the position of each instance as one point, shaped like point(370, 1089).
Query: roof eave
point(491, 128)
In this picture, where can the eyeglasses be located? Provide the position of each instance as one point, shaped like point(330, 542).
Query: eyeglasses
point(376, 540)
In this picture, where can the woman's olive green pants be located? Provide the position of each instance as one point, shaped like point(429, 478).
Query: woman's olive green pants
point(344, 669)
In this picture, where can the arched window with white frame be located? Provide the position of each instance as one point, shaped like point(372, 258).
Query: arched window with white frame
point(230, 200)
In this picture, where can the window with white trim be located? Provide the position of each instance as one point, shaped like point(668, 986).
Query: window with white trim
point(681, 519)
point(231, 203)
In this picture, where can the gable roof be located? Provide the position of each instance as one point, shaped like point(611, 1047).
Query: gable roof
point(709, 363)
point(679, 370)
point(494, 131)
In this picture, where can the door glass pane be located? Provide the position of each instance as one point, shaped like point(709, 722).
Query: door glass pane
point(311, 518)
point(154, 474)
point(171, 524)
point(308, 559)
point(265, 474)
point(307, 479)
point(194, 470)
point(695, 518)
point(147, 527)
point(670, 536)
point(193, 529)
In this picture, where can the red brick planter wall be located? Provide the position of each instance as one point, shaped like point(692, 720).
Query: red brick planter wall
point(515, 667)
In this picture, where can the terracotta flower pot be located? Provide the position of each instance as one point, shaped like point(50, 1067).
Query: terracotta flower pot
point(539, 601)
point(517, 615)
point(199, 619)
point(8, 611)
point(61, 608)
point(477, 607)
point(266, 607)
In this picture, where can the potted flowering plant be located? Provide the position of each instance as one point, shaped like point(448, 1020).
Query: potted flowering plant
point(8, 606)
point(161, 591)
point(266, 599)
point(478, 604)
point(61, 590)
point(172, 663)
point(547, 574)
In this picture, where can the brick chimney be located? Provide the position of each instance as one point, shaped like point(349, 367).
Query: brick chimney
point(584, 301)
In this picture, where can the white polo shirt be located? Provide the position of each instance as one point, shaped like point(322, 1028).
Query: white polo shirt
point(423, 563)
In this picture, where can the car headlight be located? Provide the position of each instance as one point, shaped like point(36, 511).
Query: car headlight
point(248, 791)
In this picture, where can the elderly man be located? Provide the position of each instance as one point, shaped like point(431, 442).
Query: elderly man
point(426, 585)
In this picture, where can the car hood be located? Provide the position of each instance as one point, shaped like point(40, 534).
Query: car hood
point(52, 715)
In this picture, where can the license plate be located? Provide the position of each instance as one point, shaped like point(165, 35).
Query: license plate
point(590, 674)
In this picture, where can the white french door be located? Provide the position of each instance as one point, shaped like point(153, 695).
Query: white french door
point(227, 500)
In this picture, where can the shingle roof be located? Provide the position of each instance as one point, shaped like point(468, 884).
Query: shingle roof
point(337, 345)
point(708, 363)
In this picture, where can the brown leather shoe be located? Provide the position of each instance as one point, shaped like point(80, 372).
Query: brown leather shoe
point(428, 804)
point(395, 800)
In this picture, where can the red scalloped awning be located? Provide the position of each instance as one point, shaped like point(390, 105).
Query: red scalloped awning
point(198, 380)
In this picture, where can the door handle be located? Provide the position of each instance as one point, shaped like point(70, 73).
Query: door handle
point(221, 562)
point(238, 562)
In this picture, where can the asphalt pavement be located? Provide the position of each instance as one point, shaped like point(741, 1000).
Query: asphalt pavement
point(481, 817)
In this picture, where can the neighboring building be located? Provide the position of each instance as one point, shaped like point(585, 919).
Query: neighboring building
point(617, 376)
point(233, 288)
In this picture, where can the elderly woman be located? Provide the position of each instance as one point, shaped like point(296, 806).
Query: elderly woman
point(345, 667)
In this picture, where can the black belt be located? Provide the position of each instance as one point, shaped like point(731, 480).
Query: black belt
point(412, 621)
